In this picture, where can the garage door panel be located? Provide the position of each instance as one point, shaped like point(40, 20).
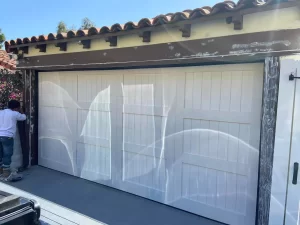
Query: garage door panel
point(56, 138)
point(155, 90)
point(215, 189)
point(219, 140)
point(187, 137)
point(146, 192)
point(61, 167)
point(217, 164)
point(144, 130)
point(57, 153)
point(150, 151)
point(146, 110)
point(94, 141)
point(144, 170)
point(226, 216)
point(219, 135)
point(60, 148)
point(58, 89)
point(93, 162)
point(148, 99)
point(94, 87)
point(218, 116)
point(57, 119)
point(230, 91)
point(94, 127)
point(95, 106)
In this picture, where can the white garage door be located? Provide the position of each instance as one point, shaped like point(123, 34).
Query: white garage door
point(187, 137)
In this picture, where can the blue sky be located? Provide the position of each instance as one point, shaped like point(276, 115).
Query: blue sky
point(35, 17)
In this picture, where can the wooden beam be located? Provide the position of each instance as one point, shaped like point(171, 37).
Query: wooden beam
point(146, 35)
point(62, 46)
point(24, 49)
point(20, 55)
point(250, 46)
point(86, 43)
point(30, 153)
point(268, 128)
point(186, 30)
point(41, 47)
point(23, 142)
point(15, 51)
point(237, 21)
point(113, 40)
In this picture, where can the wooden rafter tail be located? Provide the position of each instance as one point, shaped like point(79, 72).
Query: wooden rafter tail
point(146, 35)
point(24, 49)
point(42, 47)
point(186, 30)
point(113, 40)
point(237, 21)
point(62, 46)
point(86, 43)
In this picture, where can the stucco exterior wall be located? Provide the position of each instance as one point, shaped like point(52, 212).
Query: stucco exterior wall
point(286, 18)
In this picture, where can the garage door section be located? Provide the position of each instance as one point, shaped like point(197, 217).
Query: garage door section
point(217, 150)
point(77, 120)
point(149, 118)
point(57, 117)
point(187, 137)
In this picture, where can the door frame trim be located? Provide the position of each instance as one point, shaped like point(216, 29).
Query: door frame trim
point(268, 128)
point(269, 108)
point(282, 147)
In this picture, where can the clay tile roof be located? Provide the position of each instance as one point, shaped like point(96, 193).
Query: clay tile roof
point(6, 62)
point(188, 14)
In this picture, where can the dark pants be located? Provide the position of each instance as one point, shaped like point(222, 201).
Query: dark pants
point(6, 151)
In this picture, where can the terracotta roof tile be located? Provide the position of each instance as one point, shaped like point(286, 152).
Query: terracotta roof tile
point(26, 40)
point(61, 36)
point(188, 14)
point(33, 39)
point(93, 31)
point(6, 62)
point(81, 33)
point(51, 36)
point(71, 34)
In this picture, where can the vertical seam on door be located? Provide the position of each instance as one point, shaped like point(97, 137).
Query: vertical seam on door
point(184, 92)
point(75, 170)
point(290, 150)
point(123, 133)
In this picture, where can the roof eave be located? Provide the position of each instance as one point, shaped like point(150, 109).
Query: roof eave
point(224, 15)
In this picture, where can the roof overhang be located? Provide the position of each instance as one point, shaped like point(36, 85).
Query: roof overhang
point(229, 11)
point(244, 47)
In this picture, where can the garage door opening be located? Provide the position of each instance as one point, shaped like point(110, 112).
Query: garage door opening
point(187, 137)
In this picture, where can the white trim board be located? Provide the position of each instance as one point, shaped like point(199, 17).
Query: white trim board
point(288, 64)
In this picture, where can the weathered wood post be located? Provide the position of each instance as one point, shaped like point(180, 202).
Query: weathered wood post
point(268, 125)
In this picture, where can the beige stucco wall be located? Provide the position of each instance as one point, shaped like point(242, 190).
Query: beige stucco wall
point(288, 18)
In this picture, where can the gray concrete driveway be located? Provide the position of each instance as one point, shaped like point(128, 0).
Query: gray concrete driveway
point(101, 203)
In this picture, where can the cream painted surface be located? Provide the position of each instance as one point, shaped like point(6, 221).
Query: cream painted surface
point(288, 18)
point(187, 137)
point(281, 166)
point(292, 211)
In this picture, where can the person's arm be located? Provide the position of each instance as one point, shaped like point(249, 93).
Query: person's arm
point(20, 116)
